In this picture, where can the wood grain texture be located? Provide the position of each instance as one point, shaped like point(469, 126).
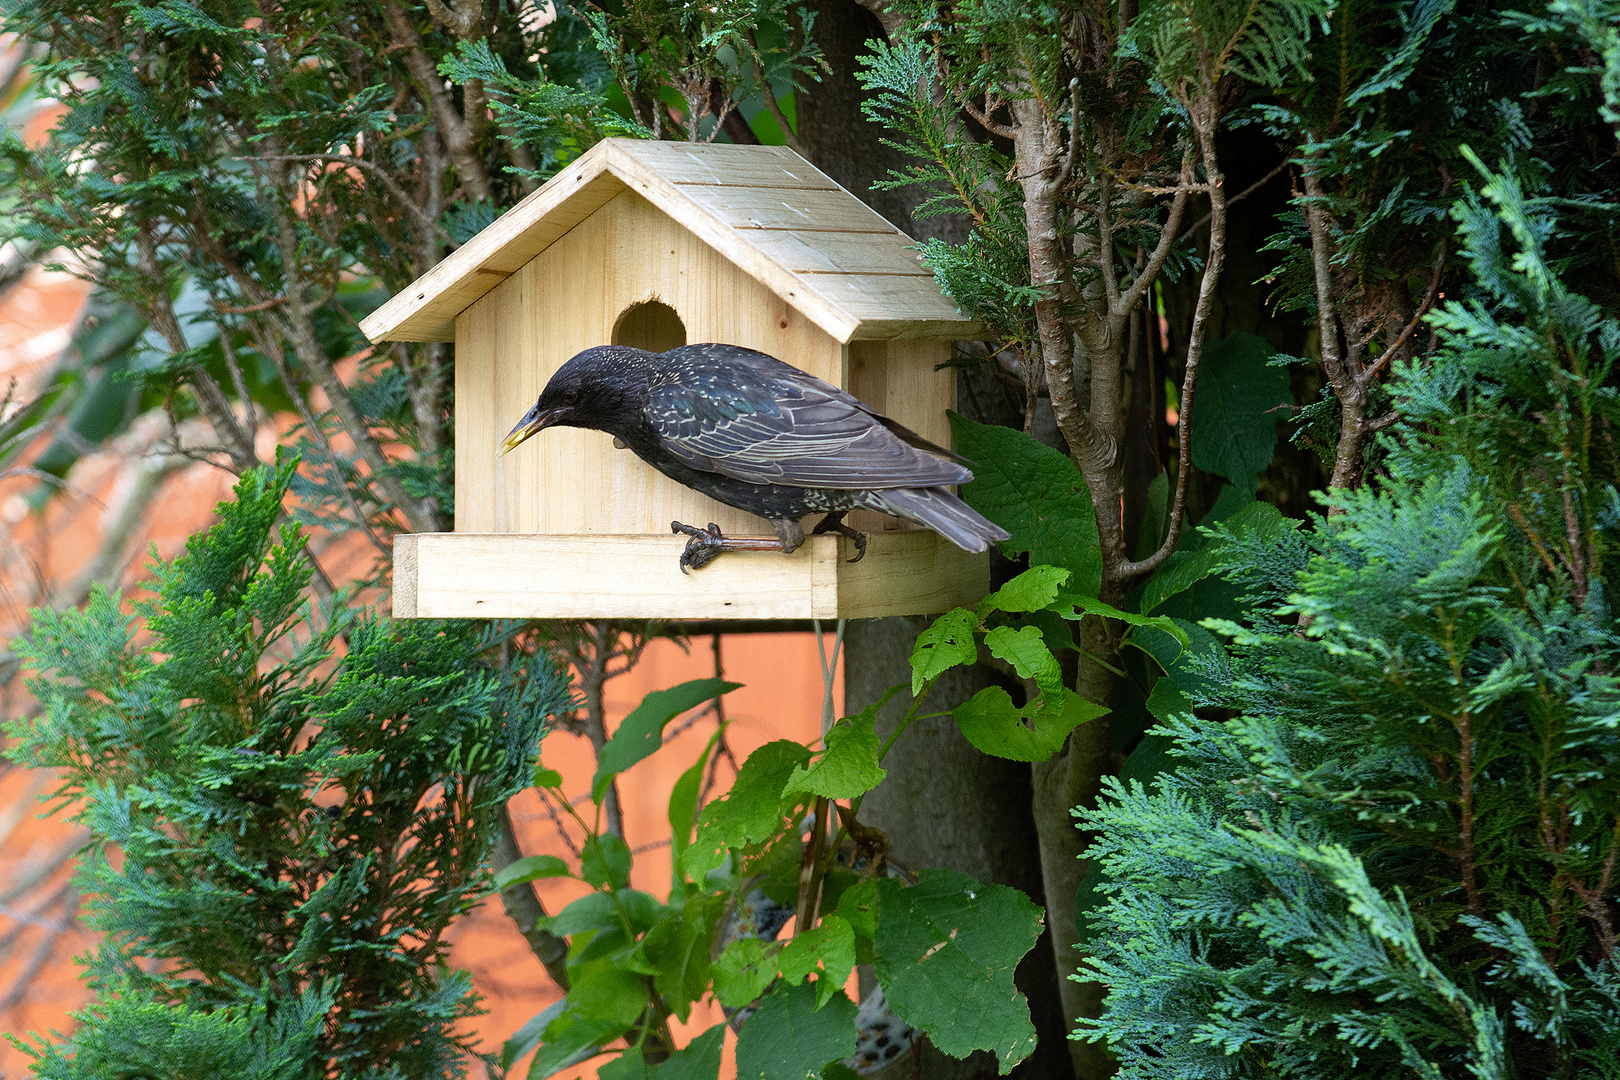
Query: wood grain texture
point(466, 575)
point(767, 210)
point(569, 298)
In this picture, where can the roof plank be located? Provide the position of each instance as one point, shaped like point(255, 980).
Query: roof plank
point(778, 218)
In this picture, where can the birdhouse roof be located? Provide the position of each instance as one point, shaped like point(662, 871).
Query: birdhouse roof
point(766, 209)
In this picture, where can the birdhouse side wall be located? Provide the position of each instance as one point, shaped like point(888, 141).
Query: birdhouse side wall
point(569, 298)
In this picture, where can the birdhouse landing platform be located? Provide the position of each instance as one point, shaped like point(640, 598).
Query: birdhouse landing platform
point(656, 245)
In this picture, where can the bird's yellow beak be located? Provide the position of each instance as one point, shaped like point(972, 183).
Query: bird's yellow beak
point(534, 421)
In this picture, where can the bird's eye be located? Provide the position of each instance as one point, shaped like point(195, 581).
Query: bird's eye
point(569, 397)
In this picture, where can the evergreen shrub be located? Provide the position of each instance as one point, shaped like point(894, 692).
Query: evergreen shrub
point(1399, 856)
point(288, 808)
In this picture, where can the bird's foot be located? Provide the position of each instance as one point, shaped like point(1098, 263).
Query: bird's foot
point(707, 545)
point(834, 523)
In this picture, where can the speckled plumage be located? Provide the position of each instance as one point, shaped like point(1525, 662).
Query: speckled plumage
point(755, 433)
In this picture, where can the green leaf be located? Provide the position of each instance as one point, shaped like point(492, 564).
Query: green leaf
point(1035, 493)
point(683, 800)
point(858, 906)
point(698, 1060)
point(1077, 607)
point(1167, 700)
point(789, 1038)
point(527, 1037)
point(1180, 572)
point(850, 765)
point(531, 868)
point(837, 1070)
point(828, 951)
point(1026, 651)
point(1234, 427)
point(642, 732)
point(593, 911)
point(743, 972)
point(680, 948)
point(990, 721)
point(603, 1003)
point(547, 778)
point(946, 643)
point(1175, 656)
point(752, 811)
point(1032, 590)
point(946, 951)
point(605, 861)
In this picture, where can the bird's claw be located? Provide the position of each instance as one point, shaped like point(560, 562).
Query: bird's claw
point(834, 523)
point(702, 549)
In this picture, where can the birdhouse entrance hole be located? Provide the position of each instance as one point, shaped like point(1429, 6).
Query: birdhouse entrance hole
point(651, 325)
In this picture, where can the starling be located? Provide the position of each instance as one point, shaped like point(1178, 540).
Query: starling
point(760, 435)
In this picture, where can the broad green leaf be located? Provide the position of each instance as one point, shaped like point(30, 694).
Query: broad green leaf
point(1030, 591)
point(990, 721)
point(751, 812)
point(1150, 758)
point(605, 860)
point(1167, 700)
point(946, 951)
point(531, 868)
point(642, 732)
point(642, 909)
point(1055, 630)
point(946, 643)
point(527, 1037)
point(789, 1038)
point(680, 947)
point(1077, 607)
point(1155, 516)
point(547, 778)
point(1175, 656)
point(743, 972)
point(1026, 651)
point(858, 906)
point(698, 1060)
point(837, 1070)
point(1180, 572)
point(592, 911)
point(828, 951)
point(683, 800)
point(1035, 493)
point(603, 1003)
point(850, 765)
point(1234, 425)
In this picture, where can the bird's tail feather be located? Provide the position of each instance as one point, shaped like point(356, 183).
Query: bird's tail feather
point(943, 512)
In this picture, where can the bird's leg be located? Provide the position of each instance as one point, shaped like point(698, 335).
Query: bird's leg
point(707, 545)
point(834, 523)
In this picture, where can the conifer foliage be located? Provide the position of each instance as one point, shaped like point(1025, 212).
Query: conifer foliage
point(288, 809)
point(1400, 857)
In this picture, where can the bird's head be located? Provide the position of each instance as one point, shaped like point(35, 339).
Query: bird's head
point(603, 388)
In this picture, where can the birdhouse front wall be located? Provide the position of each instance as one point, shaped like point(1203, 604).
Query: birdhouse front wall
point(573, 296)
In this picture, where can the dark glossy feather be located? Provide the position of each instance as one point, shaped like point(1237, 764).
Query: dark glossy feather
point(749, 416)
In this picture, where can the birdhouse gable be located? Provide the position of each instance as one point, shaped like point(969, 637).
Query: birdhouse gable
point(766, 210)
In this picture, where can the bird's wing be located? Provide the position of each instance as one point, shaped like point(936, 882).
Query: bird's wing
point(773, 424)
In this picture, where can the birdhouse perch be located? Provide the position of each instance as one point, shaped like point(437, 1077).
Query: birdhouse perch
point(655, 245)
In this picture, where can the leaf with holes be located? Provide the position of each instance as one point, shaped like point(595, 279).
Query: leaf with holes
point(990, 721)
point(850, 765)
point(946, 951)
point(946, 643)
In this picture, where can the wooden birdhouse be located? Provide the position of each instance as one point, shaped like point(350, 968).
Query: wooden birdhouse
point(655, 245)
